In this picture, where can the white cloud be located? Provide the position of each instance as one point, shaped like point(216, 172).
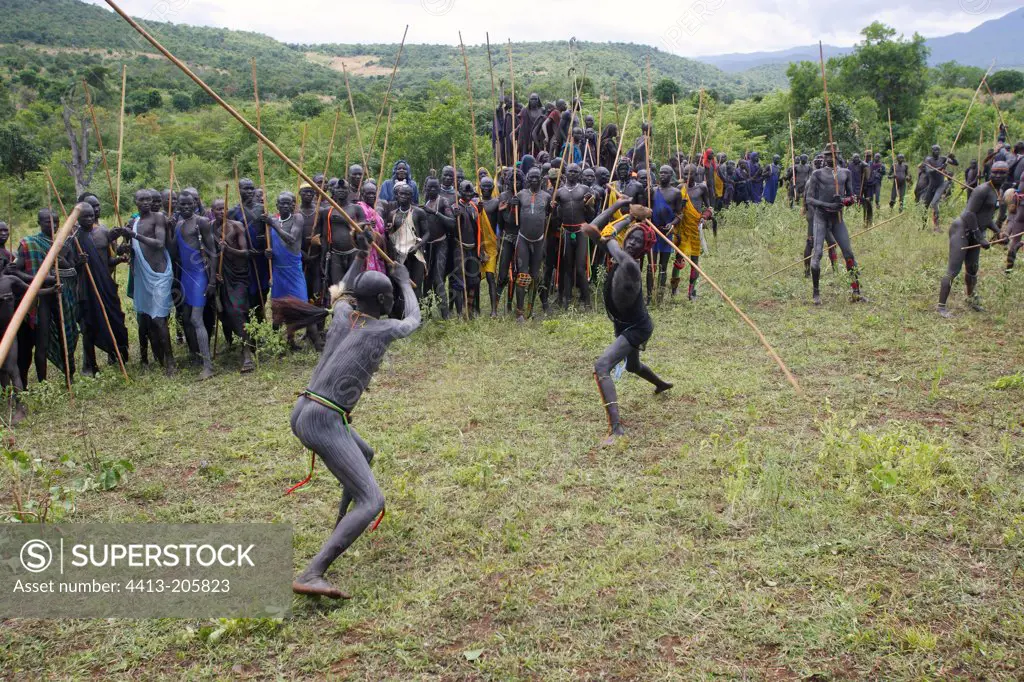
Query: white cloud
point(687, 28)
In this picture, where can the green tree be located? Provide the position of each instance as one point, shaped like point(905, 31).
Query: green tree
point(810, 131)
point(954, 75)
point(893, 71)
point(307, 106)
point(181, 101)
point(19, 154)
point(804, 85)
point(1006, 81)
point(665, 90)
point(142, 101)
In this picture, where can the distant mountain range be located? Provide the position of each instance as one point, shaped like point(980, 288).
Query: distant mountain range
point(998, 39)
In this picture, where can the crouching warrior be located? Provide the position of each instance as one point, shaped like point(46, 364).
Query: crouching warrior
point(321, 420)
point(624, 302)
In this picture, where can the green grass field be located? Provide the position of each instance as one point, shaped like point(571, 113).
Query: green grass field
point(871, 530)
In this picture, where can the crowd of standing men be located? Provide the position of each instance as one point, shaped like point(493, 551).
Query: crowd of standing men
point(519, 231)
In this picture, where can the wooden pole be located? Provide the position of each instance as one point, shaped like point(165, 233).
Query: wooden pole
point(995, 103)
point(600, 131)
point(384, 153)
point(804, 260)
point(650, 92)
point(120, 136)
point(220, 266)
point(462, 253)
point(245, 224)
point(764, 342)
point(355, 120)
point(103, 152)
point(515, 132)
point(259, 166)
point(828, 117)
point(387, 93)
point(792, 156)
point(971, 106)
point(37, 282)
point(494, 103)
point(472, 113)
point(696, 130)
point(330, 147)
point(170, 187)
point(675, 126)
point(95, 289)
point(241, 119)
point(615, 93)
point(60, 298)
point(302, 155)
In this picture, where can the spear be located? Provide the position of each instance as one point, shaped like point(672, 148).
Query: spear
point(60, 297)
point(764, 342)
point(472, 113)
point(387, 93)
point(355, 120)
point(120, 135)
point(37, 282)
point(241, 119)
point(95, 289)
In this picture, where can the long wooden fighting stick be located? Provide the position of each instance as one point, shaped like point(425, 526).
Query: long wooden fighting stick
point(515, 132)
point(259, 166)
point(494, 103)
point(472, 113)
point(103, 152)
point(327, 166)
point(600, 131)
point(995, 104)
point(170, 188)
point(384, 153)
point(60, 301)
point(764, 342)
point(792, 156)
point(387, 93)
point(618, 153)
point(302, 155)
point(92, 282)
point(462, 249)
point(696, 131)
point(971, 106)
point(828, 118)
point(120, 136)
point(853, 236)
point(241, 119)
point(355, 121)
point(245, 224)
point(220, 266)
point(37, 282)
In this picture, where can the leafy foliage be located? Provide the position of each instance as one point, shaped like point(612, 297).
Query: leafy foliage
point(1006, 81)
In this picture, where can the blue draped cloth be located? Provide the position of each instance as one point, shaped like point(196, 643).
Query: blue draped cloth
point(772, 188)
point(661, 216)
point(289, 279)
point(194, 278)
point(152, 290)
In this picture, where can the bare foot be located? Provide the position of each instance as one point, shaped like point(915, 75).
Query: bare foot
point(316, 586)
point(20, 413)
point(664, 387)
point(613, 437)
point(207, 374)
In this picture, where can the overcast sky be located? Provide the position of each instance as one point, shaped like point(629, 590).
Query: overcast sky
point(683, 27)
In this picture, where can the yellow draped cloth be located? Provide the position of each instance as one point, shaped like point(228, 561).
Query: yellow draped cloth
point(687, 234)
point(613, 196)
point(488, 242)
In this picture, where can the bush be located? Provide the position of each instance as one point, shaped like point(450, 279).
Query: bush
point(307, 106)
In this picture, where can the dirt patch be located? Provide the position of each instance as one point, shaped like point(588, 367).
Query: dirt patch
point(357, 65)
